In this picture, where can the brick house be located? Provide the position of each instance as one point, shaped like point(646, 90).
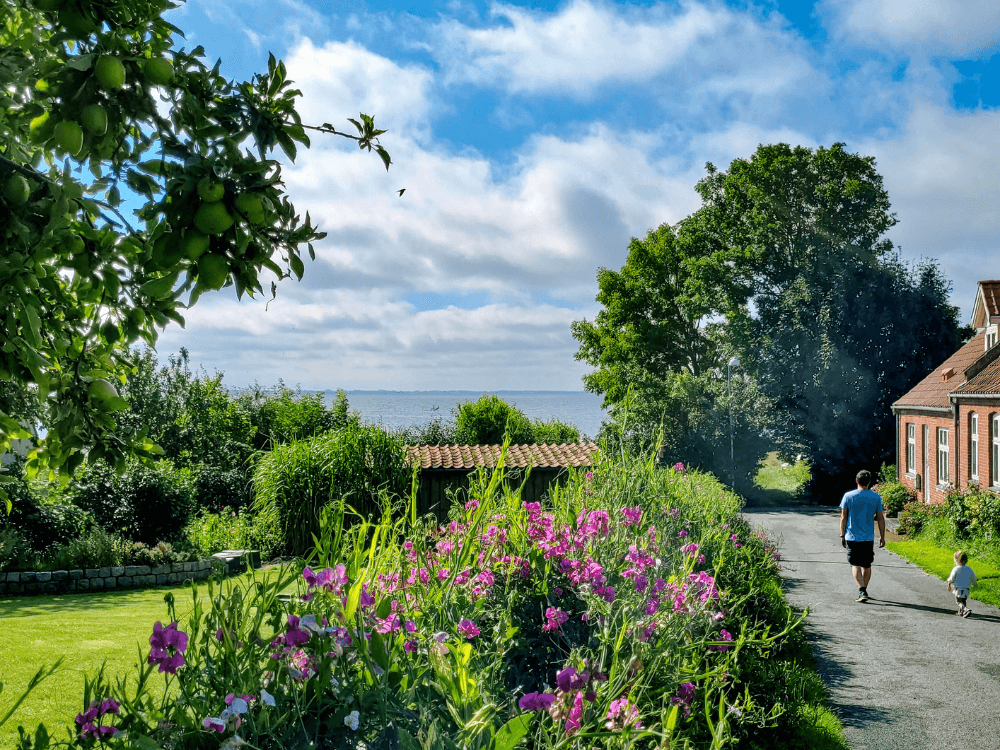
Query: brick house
point(948, 425)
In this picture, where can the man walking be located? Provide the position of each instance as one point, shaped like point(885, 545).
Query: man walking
point(858, 508)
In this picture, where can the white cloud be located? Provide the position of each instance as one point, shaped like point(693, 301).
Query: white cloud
point(961, 29)
point(942, 172)
point(586, 44)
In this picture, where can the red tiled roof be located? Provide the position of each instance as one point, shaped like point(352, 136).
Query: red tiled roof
point(991, 296)
point(986, 381)
point(518, 456)
point(933, 391)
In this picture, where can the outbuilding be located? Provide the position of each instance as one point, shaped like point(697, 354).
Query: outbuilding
point(948, 425)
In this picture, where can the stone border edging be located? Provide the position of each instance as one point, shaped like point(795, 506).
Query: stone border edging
point(27, 583)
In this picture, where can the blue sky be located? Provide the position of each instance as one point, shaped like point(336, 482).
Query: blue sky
point(535, 139)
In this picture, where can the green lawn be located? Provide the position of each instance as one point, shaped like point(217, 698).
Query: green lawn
point(85, 629)
point(778, 483)
point(939, 561)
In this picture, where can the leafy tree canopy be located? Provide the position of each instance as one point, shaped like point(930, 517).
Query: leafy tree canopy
point(788, 256)
point(133, 178)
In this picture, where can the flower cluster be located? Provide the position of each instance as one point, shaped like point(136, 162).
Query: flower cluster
point(90, 723)
point(167, 647)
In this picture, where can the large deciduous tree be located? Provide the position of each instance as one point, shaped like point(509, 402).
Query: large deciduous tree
point(788, 257)
point(823, 314)
point(133, 178)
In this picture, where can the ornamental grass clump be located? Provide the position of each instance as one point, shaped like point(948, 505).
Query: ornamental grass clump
point(634, 608)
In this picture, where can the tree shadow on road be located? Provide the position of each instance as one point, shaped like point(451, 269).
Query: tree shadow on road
point(833, 672)
point(924, 608)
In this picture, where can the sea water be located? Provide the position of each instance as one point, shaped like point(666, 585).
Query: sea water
point(395, 409)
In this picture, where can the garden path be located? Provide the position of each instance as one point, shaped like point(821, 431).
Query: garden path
point(903, 671)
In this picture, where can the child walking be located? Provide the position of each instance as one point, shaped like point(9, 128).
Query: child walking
point(960, 581)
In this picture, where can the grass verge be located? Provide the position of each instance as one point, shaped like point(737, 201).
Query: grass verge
point(938, 561)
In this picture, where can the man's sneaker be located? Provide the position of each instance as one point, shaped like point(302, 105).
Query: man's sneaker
point(863, 597)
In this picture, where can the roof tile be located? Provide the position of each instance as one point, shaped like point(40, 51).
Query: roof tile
point(518, 456)
point(933, 391)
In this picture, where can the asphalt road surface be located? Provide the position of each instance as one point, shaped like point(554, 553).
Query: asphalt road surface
point(904, 671)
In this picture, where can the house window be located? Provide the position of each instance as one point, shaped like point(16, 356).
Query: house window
point(911, 448)
point(974, 446)
point(942, 456)
point(995, 452)
point(991, 338)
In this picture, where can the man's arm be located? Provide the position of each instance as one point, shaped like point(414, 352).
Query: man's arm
point(843, 527)
point(880, 517)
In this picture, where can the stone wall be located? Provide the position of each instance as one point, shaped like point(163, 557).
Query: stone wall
point(100, 579)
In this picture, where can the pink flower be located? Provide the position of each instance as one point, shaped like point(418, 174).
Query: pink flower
point(723, 636)
point(536, 702)
point(410, 647)
point(678, 466)
point(574, 720)
point(468, 629)
point(684, 696)
point(555, 617)
point(632, 516)
point(690, 550)
point(622, 715)
point(568, 680)
point(682, 533)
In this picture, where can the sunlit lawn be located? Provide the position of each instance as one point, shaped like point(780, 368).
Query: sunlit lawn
point(778, 483)
point(939, 561)
point(85, 629)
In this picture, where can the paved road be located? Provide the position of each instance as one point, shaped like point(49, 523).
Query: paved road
point(904, 671)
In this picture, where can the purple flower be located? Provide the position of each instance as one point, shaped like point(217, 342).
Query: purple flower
point(410, 647)
point(569, 680)
point(724, 635)
point(678, 466)
point(214, 723)
point(682, 533)
point(536, 702)
point(632, 516)
point(468, 629)
point(684, 696)
point(167, 647)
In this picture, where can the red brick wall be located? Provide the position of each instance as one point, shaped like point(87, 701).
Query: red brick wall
point(985, 409)
point(933, 423)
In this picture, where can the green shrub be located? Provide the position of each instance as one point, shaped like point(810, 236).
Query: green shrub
point(554, 432)
point(281, 415)
point(42, 525)
point(147, 503)
point(15, 552)
point(209, 533)
point(295, 481)
point(916, 514)
point(434, 432)
point(974, 513)
point(488, 420)
point(895, 496)
point(162, 553)
point(218, 488)
point(888, 474)
point(95, 549)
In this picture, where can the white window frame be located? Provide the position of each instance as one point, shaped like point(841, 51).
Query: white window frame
point(974, 447)
point(991, 338)
point(911, 448)
point(995, 451)
point(942, 456)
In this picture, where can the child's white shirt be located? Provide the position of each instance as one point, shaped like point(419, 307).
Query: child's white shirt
point(962, 577)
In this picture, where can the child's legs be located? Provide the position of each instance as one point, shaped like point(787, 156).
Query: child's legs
point(962, 602)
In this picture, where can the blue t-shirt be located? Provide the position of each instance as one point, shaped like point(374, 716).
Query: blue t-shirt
point(861, 508)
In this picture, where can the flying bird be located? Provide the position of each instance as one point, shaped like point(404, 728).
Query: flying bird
point(401, 192)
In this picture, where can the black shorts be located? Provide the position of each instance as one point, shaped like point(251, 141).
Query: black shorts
point(861, 554)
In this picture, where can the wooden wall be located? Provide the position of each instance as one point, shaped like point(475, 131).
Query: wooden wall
point(437, 484)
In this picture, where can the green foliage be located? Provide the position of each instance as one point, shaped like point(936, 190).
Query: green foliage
point(15, 552)
point(895, 496)
point(162, 553)
point(435, 432)
point(554, 432)
point(209, 533)
point(82, 277)
point(282, 415)
point(146, 503)
point(888, 474)
point(42, 525)
point(294, 482)
point(786, 266)
point(488, 420)
point(94, 549)
point(974, 513)
point(915, 516)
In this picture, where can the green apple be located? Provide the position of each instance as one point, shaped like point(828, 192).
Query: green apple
point(110, 73)
point(210, 190)
point(110, 332)
point(16, 190)
point(213, 270)
point(159, 71)
point(102, 390)
point(250, 206)
point(95, 119)
point(213, 218)
point(167, 252)
point(69, 137)
point(194, 244)
point(40, 127)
